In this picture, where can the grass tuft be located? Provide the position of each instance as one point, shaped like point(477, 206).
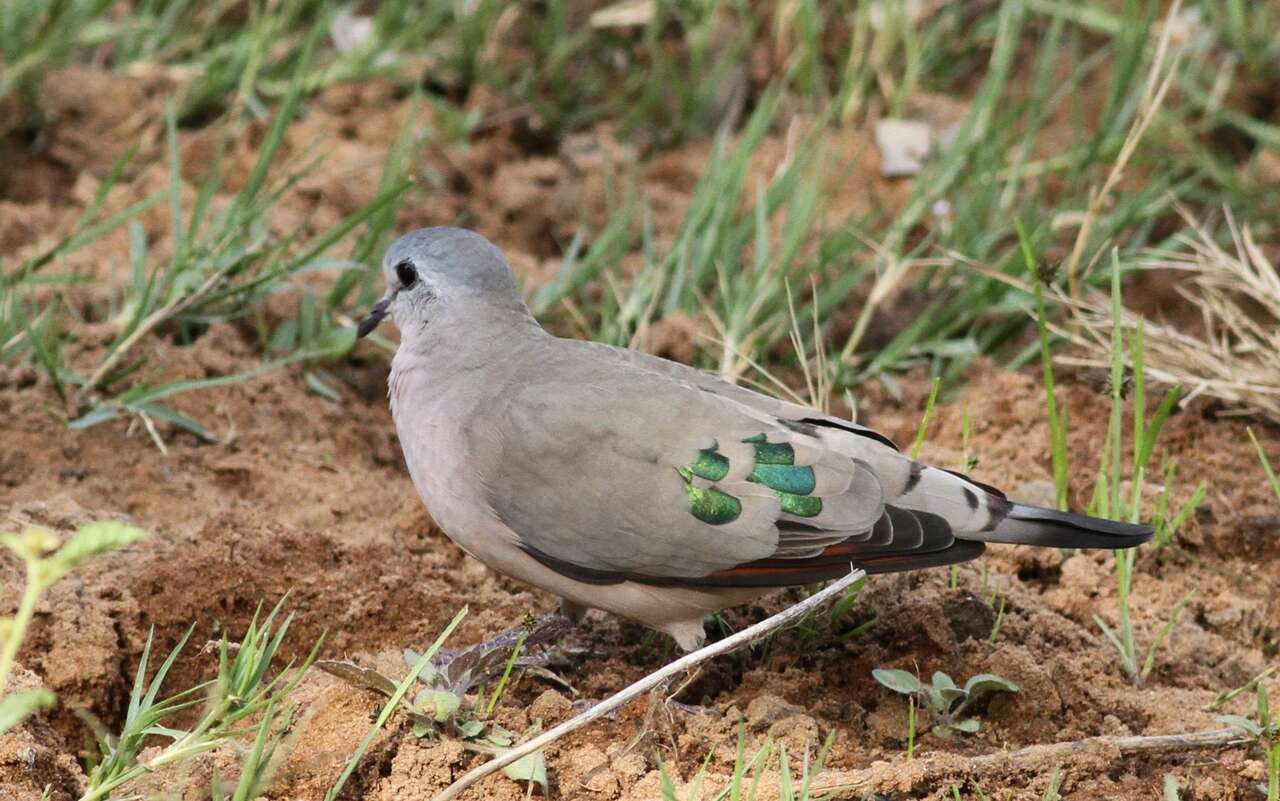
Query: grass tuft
point(240, 692)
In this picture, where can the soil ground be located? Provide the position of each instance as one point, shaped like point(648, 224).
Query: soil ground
point(309, 496)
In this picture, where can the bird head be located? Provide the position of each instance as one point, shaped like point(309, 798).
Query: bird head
point(431, 269)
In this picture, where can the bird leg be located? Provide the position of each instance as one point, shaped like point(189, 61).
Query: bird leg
point(535, 631)
point(572, 611)
point(658, 719)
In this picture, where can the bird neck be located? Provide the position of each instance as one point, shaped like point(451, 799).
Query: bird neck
point(466, 330)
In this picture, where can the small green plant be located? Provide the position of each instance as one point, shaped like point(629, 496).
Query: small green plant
point(1165, 522)
point(1108, 500)
point(1249, 686)
point(997, 594)
point(739, 788)
point(924, 421)
point(1266, 465)
point(452, 699)
point(947, 703)
point(1053, 791)
point(360, 677)
point(1265, 731)
point(46, 560)
point(1057, 413)
point(241, 692)
point(841, 609)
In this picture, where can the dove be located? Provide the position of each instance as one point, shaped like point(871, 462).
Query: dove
point(621, 481)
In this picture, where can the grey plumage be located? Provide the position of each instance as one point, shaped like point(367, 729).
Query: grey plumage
point(644, 487)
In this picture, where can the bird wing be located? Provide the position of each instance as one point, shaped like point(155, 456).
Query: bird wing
point(968, 507)
point(975, 512)
point(608, 471)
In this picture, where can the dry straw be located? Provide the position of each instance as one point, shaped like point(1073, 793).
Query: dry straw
point(1235, 357)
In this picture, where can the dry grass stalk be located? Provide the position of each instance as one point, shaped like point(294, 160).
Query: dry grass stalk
point(1237, 358)
point(1159, 79)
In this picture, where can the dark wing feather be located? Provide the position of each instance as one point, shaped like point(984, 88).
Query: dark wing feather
point(903, 540)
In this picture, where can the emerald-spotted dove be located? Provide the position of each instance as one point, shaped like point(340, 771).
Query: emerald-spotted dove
point(626, 482)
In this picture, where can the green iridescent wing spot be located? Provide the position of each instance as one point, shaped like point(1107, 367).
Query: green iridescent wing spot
point(709, 504)
point(775, 467)
point(796, 480)
point(775, 453)
point(800, 505)
point(710, 464)
point(713, 506)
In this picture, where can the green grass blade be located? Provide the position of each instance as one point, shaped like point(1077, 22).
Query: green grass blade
point(392, 704)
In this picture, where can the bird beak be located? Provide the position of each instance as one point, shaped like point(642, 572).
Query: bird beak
point(375, 316)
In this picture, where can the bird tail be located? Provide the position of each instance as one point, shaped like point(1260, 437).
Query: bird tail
point(1034, 525)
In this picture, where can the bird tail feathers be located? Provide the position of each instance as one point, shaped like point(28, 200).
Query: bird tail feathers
point(1034, 525)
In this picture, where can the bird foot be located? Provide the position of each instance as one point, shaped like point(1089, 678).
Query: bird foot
point(535, 630)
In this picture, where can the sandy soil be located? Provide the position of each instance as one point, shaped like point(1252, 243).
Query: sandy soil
point(300, 493)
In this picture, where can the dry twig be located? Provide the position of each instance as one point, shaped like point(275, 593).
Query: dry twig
point(941, 767)
point(1159, 79)
point(639, 688)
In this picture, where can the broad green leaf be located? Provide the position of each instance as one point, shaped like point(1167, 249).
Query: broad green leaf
point(531, 768)
point(89, 541)
point(941, 681)
point(1240, 722)
point(16, 707)
point(470, 729)
point(32, 544)
point(989, 683)
point(900, 681)
point(936, 701)
point(99, 414)
point(439, 704)
point(285, 337)
point(428, 672)
point(952, 695)
point(968, 725)
point(499, 737)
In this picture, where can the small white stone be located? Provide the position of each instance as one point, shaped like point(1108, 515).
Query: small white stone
point(903, 146)
point(627, 14)
point(349, 31)
point(909, 11)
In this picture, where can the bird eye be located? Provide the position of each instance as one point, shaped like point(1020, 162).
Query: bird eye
point(407, 274)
